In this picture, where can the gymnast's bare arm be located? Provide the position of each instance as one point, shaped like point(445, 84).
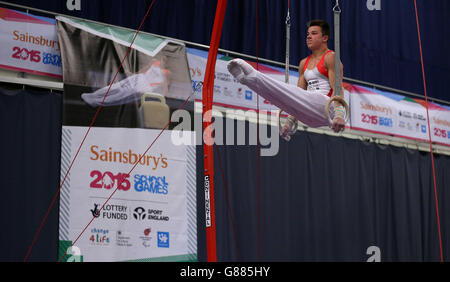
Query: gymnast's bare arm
point(338, 122)
point(301, 76)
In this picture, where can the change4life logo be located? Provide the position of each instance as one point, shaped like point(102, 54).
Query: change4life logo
point(99, 237)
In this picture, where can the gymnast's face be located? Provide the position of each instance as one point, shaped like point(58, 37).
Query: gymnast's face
point(315, 38)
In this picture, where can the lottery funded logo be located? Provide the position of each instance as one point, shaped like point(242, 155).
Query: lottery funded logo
point(110, 211)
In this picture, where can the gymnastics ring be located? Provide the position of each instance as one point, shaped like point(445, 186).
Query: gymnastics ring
point(282, 125)
point(343, 103)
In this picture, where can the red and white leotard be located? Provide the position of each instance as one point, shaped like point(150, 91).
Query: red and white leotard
point(317, 78)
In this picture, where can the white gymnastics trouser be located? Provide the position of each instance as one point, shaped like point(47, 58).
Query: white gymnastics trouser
point(307, 107)
point(128, 90)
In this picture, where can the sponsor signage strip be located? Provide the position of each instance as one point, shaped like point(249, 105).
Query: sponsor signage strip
point(29, 44)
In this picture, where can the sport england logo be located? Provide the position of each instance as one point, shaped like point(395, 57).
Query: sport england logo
point(139, 213)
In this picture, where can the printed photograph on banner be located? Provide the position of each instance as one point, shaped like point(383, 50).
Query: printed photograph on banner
point(133, 92)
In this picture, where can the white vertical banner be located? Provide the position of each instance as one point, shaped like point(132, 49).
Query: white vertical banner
point(152, 214)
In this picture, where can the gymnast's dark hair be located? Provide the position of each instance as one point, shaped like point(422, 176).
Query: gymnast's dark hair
point(323, 25)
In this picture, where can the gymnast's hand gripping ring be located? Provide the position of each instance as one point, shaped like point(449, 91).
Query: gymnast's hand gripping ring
point(342, 102)
point(291, 131)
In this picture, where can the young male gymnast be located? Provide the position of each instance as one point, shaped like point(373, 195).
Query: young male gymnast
point(315, 86)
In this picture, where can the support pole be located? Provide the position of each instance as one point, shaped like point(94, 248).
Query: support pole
point(337, 50)
point(288, 40)
point(208, 132)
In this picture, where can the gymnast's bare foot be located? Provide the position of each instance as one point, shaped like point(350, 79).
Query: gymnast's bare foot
point(240, 69)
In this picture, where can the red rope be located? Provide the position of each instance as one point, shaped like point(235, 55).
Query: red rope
point(429, 133)
point(84, 138)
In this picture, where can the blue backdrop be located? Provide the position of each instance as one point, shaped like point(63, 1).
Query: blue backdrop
point(379, 46)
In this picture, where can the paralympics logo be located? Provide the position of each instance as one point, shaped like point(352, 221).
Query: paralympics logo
point(146, 238)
